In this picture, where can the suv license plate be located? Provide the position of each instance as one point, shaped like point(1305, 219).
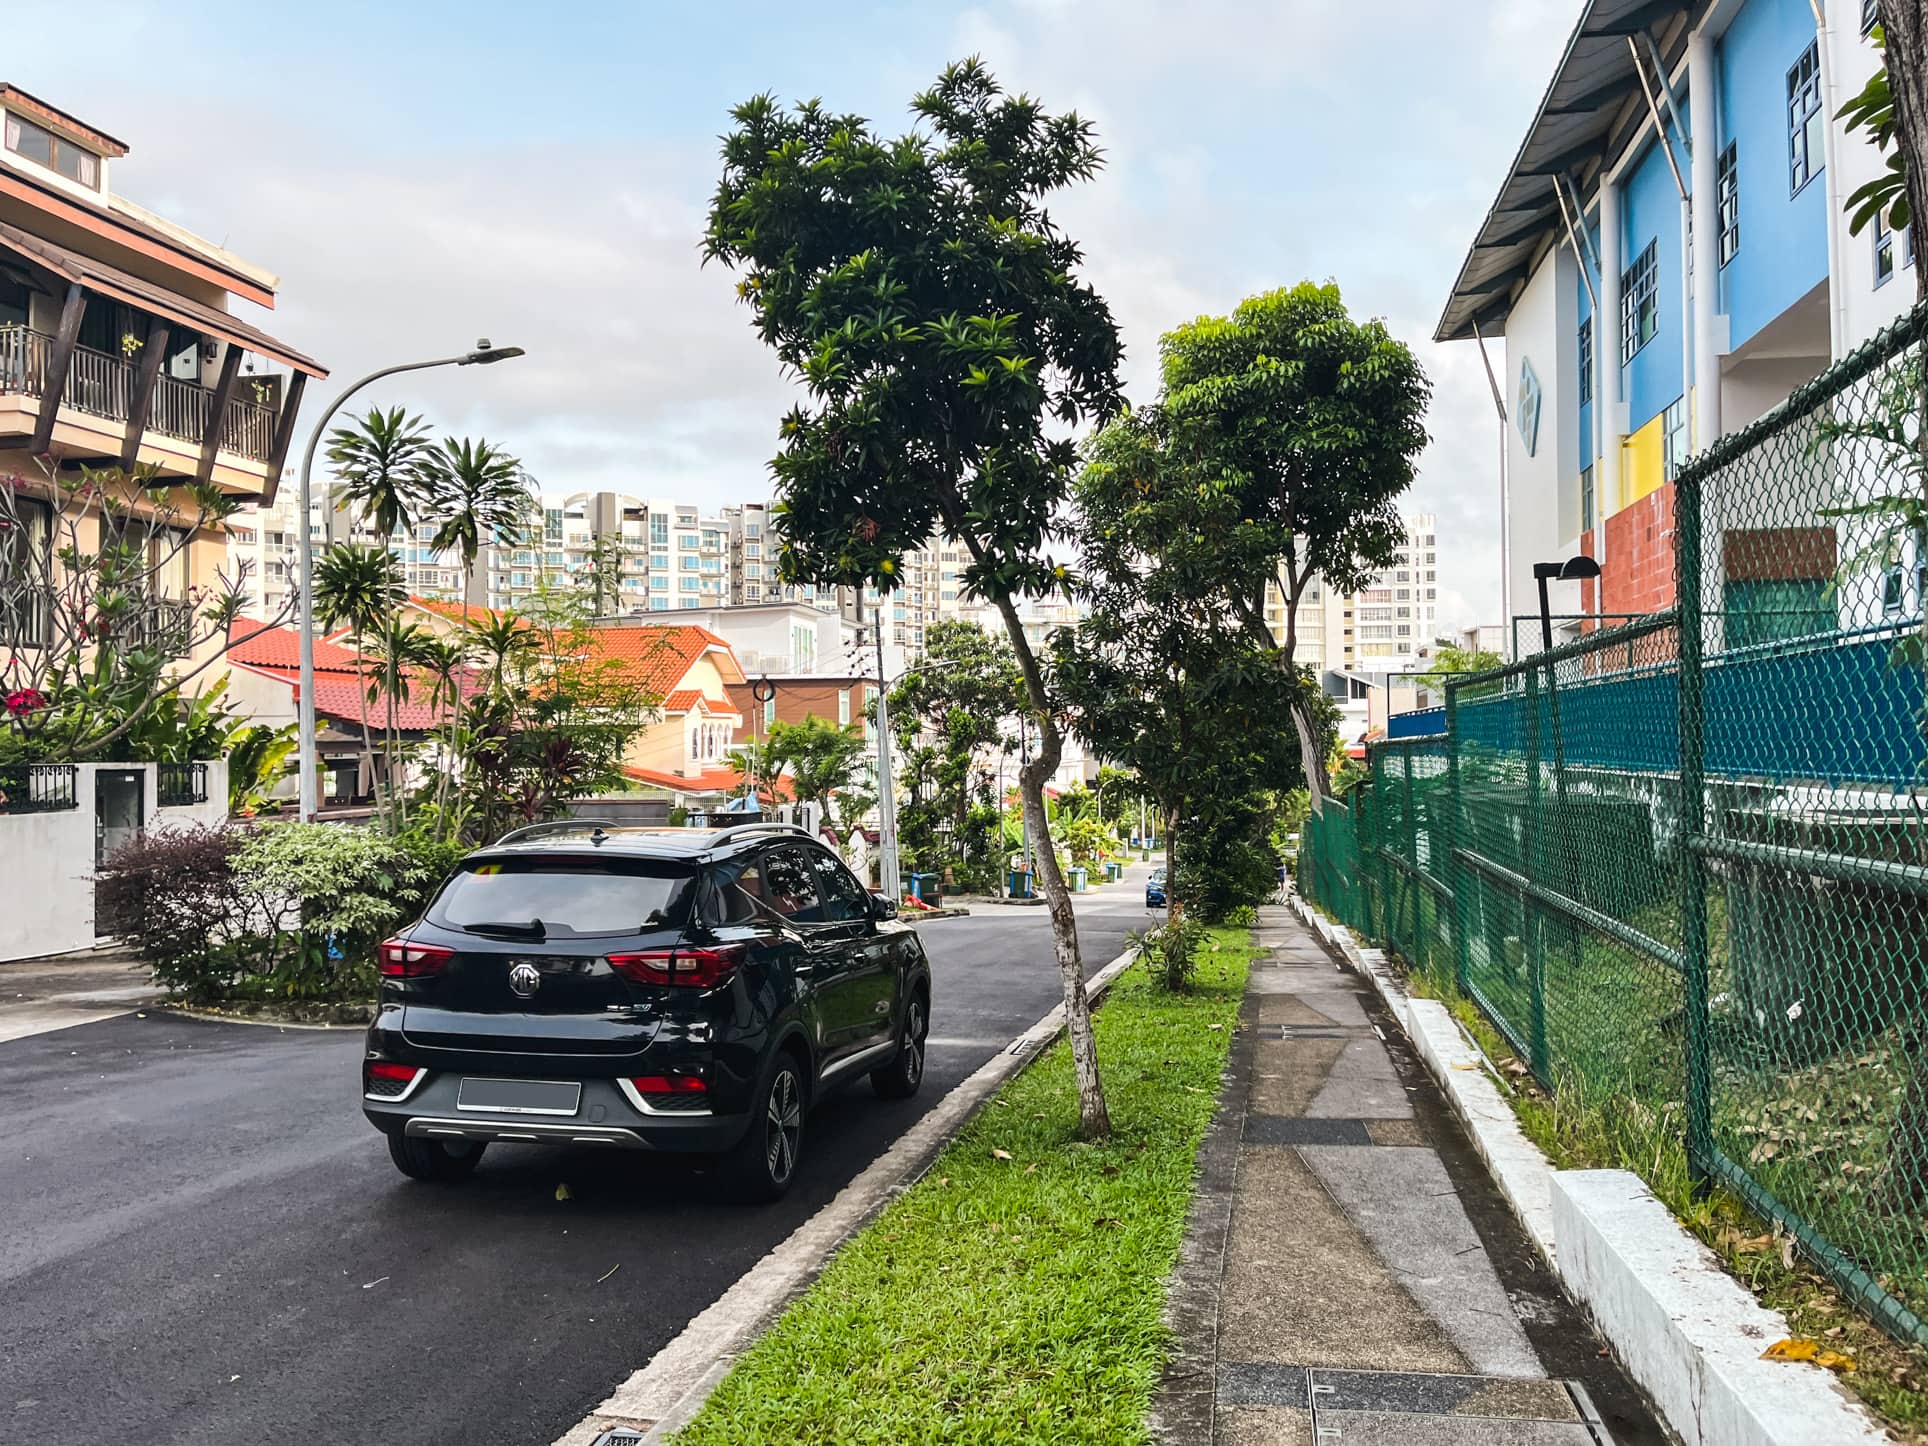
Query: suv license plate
point(519, 1096)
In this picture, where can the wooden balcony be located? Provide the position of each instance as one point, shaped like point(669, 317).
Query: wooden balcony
point(109, 389)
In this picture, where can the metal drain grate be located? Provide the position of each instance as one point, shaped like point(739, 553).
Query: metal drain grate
point(618, 1436)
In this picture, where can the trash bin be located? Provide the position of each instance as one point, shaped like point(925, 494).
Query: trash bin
point(922, 886)
point(1114, 871)
point(1020, 883)
point(1078, 881)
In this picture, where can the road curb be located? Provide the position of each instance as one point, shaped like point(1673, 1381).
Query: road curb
point(1688, 1333)
point(665, 1395)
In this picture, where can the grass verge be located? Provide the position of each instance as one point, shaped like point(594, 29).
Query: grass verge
point(1016, 1292)
point(1579, 1132)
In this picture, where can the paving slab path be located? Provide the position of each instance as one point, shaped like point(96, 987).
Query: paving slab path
point(1350, 1275)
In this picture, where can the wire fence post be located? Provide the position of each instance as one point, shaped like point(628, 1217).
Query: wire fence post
point(1534, 943)
point(1693, 825)
point(1462, 951)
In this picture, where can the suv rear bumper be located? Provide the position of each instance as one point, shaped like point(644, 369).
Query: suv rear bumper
point(604, 1116)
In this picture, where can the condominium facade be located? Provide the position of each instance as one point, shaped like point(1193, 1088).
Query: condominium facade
point(1668, 258)
point(1388, 626)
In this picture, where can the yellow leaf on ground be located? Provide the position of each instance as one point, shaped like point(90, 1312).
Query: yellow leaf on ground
point(1000, 1154)
point(1799, 1348)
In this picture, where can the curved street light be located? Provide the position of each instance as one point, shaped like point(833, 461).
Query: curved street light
point(483, 355)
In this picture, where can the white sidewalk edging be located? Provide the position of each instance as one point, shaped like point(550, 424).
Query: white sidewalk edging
point(1685, 1329)
point(1688, 1333)
point(664, 1396)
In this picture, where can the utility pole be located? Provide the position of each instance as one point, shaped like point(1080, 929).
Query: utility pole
point(888, 878)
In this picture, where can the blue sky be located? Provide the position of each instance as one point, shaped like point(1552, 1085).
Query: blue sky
point(423, 173)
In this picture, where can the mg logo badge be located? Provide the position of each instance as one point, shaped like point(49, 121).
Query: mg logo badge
point(525, 979)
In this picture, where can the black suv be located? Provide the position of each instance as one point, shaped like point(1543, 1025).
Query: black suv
point(638, 988)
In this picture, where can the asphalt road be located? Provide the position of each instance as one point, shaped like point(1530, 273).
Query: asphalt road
point(202, 1240)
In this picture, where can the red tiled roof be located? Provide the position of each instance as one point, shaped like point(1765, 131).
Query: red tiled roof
point(710, 780)
point(459, 612)
point(279, 647)
point(339, 682)
point(691, 700)
point(660, 656)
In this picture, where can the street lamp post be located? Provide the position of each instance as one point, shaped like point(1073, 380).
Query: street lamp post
point(483, 355)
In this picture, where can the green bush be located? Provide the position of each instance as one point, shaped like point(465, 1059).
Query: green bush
point(288, 911)
point(1171, 953)
point(1226, 862)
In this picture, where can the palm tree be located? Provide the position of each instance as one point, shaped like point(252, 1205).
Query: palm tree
point(481, 493)
point(446, 661)
point(359, 587)
point(382, 461)
point(501, 641)
point(398, 646)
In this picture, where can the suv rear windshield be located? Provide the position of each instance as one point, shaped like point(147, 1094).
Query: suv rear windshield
point(570, 897)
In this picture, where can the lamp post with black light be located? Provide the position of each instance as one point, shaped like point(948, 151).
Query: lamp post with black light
point(483, 355)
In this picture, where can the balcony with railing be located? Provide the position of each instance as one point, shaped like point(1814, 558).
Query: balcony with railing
point(105, 386)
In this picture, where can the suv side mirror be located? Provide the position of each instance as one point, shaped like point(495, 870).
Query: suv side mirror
point(882, 907)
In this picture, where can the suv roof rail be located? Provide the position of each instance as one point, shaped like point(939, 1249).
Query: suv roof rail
point(743, 828)
point(555, 825)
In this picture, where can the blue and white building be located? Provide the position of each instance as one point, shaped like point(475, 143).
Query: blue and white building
point(1667, 259)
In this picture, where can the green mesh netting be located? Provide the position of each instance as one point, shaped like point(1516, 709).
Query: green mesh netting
point(1682, 862)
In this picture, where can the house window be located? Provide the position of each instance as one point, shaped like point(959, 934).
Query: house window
point(1727, 201)
point(1586, 361)
point(686, 584)
point(769, 711)
point(1771, 611)
point(686, 542)
point(1806, 123)
point(56, 153)
point(1640, 302)
point(658, 529)
point(26, 591)
point(1884, 251)
point(843, 707)
point(1674, 425)
point(1870, 15)
point(1586, 500)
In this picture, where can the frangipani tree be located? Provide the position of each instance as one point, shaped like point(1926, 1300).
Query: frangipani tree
point(921, 295)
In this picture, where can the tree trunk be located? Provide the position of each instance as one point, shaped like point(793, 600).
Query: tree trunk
point(1094, 1119)
point(1172, 909)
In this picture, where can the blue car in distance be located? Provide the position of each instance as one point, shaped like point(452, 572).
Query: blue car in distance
point(1155, 890)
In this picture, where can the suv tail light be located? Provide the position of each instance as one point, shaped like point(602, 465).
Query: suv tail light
point(692, 968)
point(669, 1084)
point(399, 959)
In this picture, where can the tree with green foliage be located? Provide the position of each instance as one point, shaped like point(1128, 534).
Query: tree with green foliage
point(359, 588)
point(945, 712)
point(1453, 661)
point(1895, 118)
point(382, 463)
point(100, 624)
point(1161, 674)
point(1300, 429)
point(931, 311)
point(553, 718)
point(822, 758)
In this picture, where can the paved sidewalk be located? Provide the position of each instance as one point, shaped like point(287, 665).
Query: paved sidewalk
point(1350, 1276)
point(38, 995)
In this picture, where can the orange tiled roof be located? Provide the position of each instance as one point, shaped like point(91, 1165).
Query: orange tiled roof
point(710, 780)
point(279, 647)
point(661, 655)
point(459, 612)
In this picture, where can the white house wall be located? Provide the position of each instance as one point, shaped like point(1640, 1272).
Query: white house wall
point(1543, 484)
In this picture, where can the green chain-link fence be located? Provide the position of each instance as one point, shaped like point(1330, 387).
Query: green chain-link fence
point(1682, 863)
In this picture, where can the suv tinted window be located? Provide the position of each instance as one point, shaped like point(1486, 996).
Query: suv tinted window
point(572, 896)
point(738, 889)
point(788, 886)
point(843, 896)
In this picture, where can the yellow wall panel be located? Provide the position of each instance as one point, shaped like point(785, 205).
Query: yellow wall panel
point(1643, 461)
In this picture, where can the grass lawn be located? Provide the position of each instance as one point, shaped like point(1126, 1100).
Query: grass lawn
point(1015, 1292)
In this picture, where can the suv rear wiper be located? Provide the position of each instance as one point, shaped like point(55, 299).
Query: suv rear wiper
point(531, 930)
